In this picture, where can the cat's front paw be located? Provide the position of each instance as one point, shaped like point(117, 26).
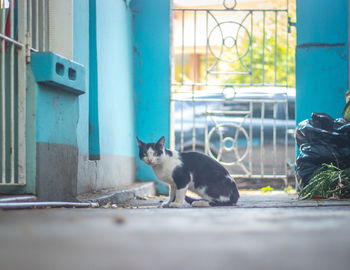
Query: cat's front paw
point(175, 205)
point(165, 204)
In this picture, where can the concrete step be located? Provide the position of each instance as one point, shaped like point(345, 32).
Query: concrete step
point(120, 194)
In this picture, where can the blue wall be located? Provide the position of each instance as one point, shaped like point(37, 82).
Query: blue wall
point(116, 113)
point(115, 78)
point(152, 74)
point(57, 116)
point(81, 55)
point(321, 57)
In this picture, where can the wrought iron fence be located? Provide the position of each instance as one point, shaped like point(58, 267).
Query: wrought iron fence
point(230, 78)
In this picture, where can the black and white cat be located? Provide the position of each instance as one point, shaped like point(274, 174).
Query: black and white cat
point(192, 171)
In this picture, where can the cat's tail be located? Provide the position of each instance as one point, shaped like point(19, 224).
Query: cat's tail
point(190, 200)
point(235, 193)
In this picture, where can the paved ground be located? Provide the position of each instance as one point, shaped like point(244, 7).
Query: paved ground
point(271, 231)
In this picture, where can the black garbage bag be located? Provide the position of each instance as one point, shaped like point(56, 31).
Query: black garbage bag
point(321, 139)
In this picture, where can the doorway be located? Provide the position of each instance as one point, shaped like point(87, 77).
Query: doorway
point(233, 85)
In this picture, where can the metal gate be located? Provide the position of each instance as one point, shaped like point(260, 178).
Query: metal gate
point(13, 92)
point(232, 93)
point(22, 23)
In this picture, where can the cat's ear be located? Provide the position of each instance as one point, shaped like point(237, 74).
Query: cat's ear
point(139, 142)
point(161, 142)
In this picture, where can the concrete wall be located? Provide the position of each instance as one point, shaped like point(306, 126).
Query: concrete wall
point(83, 138)
point(151, 49)
point(61, 116)
point(55, 107)
point(321, 57)
point(110, 95)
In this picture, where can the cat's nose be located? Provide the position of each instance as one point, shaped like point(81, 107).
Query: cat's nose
point(149, 161)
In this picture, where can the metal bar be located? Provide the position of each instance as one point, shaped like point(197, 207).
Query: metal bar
point(12, 100)
point(263, 48)
point(262, 139)
point(172, 126)
point(206, 144)
point(251, 47)
point(37, 25)
point(233, 10)
point(182, 126)
point(227, 85)
point(12, 184)
point(206, 48)
point(229, 72)
point(194, 81)
point(286, 143)
point(233, 101)
point(287, 116)
point(47, 37)
point(287, 40)
point(274, 138)
point(18, 198)
point(3, 103)
point(43, 25)
point(24, 205)
point(3, 37)
point(251, 138)
point(30, 16)
point(228, 112)
point(194, 47)
point(183, 47)
point(275, 60)
point(22, 23)
point(194, 127)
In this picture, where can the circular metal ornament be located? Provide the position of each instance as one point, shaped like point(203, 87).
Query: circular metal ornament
point(228, 41)
point(230, 4)
point(229, 139)
point(229, 92)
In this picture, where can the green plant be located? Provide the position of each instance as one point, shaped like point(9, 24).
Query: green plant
point(327, 181)
point(270, 64)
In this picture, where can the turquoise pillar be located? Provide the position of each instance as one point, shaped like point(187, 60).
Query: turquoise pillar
point(321, 57)
point(94, 131)
point(151, 49)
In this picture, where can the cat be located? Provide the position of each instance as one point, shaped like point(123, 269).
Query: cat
point(192, 171)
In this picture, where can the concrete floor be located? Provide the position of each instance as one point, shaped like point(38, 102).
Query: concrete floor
point(272, 231)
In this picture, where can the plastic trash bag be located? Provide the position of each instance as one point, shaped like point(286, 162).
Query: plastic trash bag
point(321, 139)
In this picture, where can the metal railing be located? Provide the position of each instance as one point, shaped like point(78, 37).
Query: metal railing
point(13, 93)
point(22, 23)
point(219, 53)
point(38, 24)
point(251, 137)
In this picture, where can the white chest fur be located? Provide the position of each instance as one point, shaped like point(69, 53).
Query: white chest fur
point(164, 170)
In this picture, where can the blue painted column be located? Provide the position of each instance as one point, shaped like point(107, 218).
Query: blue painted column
point(151, 49)
point(94, 131)
point(321, 57)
